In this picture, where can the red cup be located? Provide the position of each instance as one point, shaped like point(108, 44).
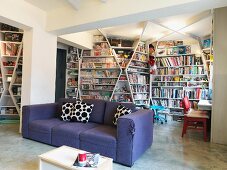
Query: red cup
point(82, 157)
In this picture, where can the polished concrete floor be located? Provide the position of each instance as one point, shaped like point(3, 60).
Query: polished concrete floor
point(169, 151)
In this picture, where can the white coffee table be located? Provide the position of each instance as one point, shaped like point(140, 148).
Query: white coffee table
point(62, 158)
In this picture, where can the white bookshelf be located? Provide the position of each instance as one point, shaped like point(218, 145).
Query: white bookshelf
point(11, 63)
point(99, 70)
point(123, 53)
point(104, 71)
point(72, 72)
point(178, 75)
point(138, 72)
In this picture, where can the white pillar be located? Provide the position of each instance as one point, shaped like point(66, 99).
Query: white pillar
point(219, 110)
point(39, 68)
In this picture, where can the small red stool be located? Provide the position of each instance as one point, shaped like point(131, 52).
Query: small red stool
point(194, 119)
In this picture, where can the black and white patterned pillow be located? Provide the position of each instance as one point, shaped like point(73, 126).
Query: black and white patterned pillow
point(81, 112)
point(121, 111)
point(67, 110)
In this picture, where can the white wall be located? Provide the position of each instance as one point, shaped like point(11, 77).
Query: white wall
point(219, 111)
point(39, 50)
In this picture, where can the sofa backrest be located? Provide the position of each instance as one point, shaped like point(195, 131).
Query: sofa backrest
point(103, 111)
point(97, 114)
point(111, 109)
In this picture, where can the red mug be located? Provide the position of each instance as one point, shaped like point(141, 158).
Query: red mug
point(82, 157)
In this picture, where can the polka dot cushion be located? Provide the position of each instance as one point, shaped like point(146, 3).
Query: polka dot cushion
point(81, 112)
point(67, 109)
point(121, 111)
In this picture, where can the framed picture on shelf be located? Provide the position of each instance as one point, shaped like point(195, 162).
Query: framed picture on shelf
point(188, 49)
point(174, 50)
point(181, 49)
point(169, 51)
point(206, 43)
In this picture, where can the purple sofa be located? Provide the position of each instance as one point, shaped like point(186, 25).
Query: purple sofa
point(125, 143)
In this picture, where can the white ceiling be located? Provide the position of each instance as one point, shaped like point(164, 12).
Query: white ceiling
point(184, 26)
point(172, 27)
point(131, 31)
point(49, 5)
point(201, 28)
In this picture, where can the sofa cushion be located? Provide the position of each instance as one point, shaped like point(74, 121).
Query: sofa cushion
point(67, 110)
point(97, 114)
point(81, 112)
point(68, 133)
point(61, 102)
point(121, 111)
point(40, 130)
point(111, 109)
point(101, 139)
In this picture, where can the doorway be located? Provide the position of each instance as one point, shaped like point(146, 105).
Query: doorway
point(60, 74)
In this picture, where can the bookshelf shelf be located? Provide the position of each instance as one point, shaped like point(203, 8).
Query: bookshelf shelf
point(105, 77)
point(121, 93)
point(73, 68)
point(194, 99)
point(96, 90)
point(140, 61)
point(141, 52)
point(139, 72)
point(3, 31)
point(98, 42)
point(176, 108)
point(122, 48)
point(169, 86)
point(104, 56)
point(139, 67)
point(178, 55)
point(140, 99)
point(181, 66)
point(9, 106)
point(13, 42)
point(99, 68)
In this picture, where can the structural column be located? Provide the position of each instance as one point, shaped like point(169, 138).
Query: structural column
point(219, 109)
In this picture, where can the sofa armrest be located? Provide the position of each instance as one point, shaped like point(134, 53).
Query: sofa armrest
point(134, 136)
point(36, 112)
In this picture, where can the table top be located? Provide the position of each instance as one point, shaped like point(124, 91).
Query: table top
point(65, 156)
point(205, 104)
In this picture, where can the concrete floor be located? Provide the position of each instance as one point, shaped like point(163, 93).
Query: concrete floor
point(169, 151)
